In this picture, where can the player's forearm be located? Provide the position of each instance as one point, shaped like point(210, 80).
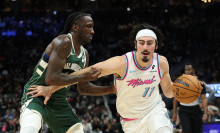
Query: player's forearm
point(175, 104)
point(63, 79)
point(91, 89)
point(204, 105)
point(55, 88)
point(169, 91)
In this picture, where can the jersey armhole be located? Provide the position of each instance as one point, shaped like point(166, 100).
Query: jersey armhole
point(158, 66)
point(126, 71)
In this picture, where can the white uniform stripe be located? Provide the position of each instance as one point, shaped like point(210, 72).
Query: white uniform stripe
point(43, 64)
point(39, 71)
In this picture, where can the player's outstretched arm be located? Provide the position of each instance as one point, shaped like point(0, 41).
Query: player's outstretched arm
point(165, 83)
point(116, 65)
point(87, 88)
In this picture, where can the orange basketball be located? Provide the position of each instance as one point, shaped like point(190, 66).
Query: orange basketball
point(187, 89)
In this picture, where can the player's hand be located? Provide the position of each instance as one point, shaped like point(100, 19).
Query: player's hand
point(174, 117)
point(199, 80)
point(38, 90)
point(204, 117)
point(91, 75)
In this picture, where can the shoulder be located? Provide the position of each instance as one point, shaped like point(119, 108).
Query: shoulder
point(163, 61)
point(164, 65)
point(118, 59)
point(115, 63)
point(62, 40)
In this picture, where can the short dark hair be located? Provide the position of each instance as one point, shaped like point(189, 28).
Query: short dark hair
point(71, 19)
point(192, 64)
point(156, 30)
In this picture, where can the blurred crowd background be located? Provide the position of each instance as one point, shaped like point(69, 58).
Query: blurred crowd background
point(191, 28)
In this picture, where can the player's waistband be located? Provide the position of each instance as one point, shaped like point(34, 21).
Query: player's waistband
point(131, 119)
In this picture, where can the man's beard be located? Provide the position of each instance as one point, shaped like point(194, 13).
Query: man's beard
point(145, 59)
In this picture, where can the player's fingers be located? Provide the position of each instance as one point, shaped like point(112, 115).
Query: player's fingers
point(201, 82)
point(45, 101)
point(98, 72)
point(31, 88)
point(32, 92)
point(94, 69)
point(36, 95)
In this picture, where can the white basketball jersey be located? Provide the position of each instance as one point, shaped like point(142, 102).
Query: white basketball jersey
point(138, 91)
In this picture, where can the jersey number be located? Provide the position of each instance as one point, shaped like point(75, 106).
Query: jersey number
point(146, 91)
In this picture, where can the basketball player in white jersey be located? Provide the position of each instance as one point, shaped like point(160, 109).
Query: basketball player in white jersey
point(137, 75)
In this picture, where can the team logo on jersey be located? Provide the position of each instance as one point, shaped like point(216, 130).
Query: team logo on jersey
point(153, 67)
point(137, 82)
point(84, 59)
point(72, 66)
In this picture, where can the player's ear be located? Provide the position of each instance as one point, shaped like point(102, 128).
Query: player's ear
point(135, 44)
point(75, 28)
point(156, 44)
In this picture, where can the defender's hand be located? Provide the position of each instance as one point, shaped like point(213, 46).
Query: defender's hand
point(91, 75)
point(38, 90)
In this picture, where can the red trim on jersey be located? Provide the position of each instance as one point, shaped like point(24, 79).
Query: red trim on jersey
point(128, 119)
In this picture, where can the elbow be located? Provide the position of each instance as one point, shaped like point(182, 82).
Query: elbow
point(82, 91)
point(169, 95)
point(49, 80)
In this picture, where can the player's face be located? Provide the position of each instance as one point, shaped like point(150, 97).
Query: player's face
point(189, 70)
point(145, 47)
point(85, 29)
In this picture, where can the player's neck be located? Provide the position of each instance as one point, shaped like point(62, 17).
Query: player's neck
point(141, 63)
point(76, 44)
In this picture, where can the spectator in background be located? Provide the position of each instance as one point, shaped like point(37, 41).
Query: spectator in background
point(114, 126)
point(96, 125)
point(213, 114)
point(211, 93)
point(87, 126)
point(9, 114)
point(106, 126)
point(190, 115)
point(9, 126)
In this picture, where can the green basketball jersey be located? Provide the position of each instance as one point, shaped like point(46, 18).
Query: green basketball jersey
point(73, 63)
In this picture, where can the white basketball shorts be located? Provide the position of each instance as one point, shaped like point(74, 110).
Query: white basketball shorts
point(155, 119)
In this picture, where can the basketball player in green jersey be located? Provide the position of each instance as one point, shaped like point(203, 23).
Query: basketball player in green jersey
point(64, 55)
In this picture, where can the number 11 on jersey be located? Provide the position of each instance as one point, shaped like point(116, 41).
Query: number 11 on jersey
point(146, 91)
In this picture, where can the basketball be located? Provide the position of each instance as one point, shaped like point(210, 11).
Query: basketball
point(187, 89)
